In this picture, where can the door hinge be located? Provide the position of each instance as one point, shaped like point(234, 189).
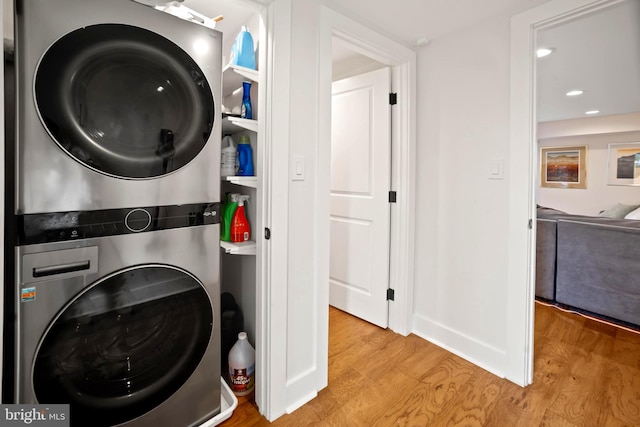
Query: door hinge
point(392, 197)
point(267, 233)
point(393, 98)
point(391, 294)
point(530, 224)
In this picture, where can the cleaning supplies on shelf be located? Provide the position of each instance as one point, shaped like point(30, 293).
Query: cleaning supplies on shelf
point(242, 366)
point(227, 210)
point(242, 52)
point(246, 111)
point(228, 157)
point(245, 157)
point(240, 228)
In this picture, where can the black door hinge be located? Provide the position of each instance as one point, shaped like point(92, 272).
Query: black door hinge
point(392, 197)
point(391, 294)
point(530, 224)
point(393, 98)
point(267, 233)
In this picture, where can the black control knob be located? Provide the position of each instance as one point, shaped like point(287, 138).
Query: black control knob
point(137, 220)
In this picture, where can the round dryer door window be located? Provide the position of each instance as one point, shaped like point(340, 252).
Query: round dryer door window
point(125, 345)
point(124, 101)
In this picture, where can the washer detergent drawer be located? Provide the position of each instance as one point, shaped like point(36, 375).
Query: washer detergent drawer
point(60, 264)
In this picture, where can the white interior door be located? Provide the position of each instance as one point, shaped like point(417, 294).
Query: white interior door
point(360, 184)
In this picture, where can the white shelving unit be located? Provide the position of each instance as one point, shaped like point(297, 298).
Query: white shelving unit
point(232, 125)
point(240, 261)
point(243, 248)
point(234, 75)
point(245, 181)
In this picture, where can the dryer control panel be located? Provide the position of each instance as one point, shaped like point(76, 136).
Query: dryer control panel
point(62, 226)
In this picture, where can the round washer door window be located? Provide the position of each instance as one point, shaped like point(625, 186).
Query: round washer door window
point(124, 101)
point(125, 345)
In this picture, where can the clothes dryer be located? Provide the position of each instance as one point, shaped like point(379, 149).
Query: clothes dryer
point(118, 314)
point(118, 105)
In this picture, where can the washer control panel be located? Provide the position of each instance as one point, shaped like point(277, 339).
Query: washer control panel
point(62, 226)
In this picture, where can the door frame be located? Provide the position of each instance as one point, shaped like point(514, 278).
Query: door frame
point(402, 61)
point(366, 303)
point(523, 174)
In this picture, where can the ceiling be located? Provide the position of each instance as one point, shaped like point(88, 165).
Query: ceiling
point(591, 53)
point(599, 54)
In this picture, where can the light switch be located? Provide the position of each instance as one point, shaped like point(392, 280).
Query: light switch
point(496, 169)
point(297, 171)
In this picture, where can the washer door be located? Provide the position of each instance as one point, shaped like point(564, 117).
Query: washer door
point(124, 101)
point(125, 345)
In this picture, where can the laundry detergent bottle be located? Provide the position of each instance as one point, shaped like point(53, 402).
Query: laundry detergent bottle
point(240, 228)
point(228, 157)
point(242, 52)
point(242, 366)
point(245, 157)
point(246, 110)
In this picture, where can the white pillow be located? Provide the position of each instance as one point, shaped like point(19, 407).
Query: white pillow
point(633, 214)
point(619, 211)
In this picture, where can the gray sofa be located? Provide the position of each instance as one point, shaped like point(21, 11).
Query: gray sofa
point(589, 263)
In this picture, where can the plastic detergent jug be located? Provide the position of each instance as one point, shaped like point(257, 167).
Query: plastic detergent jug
point(242, 52)
point(228, 157)
point(245, 157)
point(240, 228)
point(242, 366)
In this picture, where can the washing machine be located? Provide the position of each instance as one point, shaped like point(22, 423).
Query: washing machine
point(117, 314)
point(118, 105)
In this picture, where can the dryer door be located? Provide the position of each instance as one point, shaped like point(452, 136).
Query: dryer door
point(125, 345)
point(124, 101)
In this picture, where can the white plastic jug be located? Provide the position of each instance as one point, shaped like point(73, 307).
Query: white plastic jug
point(242, 365)
point(228, 157)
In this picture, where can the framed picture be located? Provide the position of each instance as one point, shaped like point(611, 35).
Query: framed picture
point(624, 164)
point(563, 167)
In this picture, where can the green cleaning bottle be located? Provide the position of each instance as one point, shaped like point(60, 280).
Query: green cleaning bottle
point(226, 215)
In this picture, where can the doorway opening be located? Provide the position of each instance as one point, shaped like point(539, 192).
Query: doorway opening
point(360, 183)
point(402, 62)
point(525, 168)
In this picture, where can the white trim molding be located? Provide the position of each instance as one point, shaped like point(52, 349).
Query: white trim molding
point(522, 174)
point(402, 61)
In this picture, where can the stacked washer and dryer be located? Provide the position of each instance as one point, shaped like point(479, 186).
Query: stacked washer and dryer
point(116, 213)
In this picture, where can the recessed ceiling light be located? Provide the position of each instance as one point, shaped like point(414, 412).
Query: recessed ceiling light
point(575, 92)
point(592, 112)
point(544, 51)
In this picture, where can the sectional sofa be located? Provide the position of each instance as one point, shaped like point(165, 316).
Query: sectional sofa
point(589, 263)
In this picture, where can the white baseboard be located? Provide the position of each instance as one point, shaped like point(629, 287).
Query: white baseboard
point(479, 353)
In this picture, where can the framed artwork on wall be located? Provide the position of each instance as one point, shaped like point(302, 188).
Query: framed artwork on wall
point(624, 164)
point(563, 167)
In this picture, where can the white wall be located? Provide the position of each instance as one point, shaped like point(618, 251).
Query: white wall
point(462, 216)
point(596, 135)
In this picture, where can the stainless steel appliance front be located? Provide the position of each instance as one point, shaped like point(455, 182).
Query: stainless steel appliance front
point(124, 338)
point(118, 106)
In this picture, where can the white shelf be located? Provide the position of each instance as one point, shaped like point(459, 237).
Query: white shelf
point(236, 124)
point(234, 75)
point(246, 181)
point(244, 248)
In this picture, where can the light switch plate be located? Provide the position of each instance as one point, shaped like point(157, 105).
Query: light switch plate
point(297, 168)
point(496, 169)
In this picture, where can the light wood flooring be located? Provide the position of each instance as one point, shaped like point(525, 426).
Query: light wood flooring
point(586, 374)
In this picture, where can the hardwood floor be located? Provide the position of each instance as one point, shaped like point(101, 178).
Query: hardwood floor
point(585, 374)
